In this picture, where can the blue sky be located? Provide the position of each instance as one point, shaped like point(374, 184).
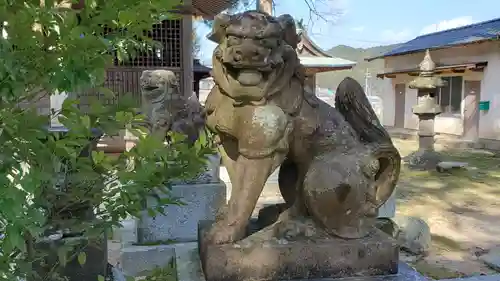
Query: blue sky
point(366, 23)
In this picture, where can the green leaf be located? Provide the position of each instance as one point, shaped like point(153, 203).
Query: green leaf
point(82, 258)
point(76, 56)
point(62, 256)
point(101, 278)
point(98, 157)
point(86, 121)
point(15, 238)
point(106, 92)
point(151, 212)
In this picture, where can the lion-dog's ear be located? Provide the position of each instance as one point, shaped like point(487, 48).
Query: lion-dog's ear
point(221, 21)
point(289, 30)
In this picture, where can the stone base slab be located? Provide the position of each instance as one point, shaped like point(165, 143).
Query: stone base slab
point(140, 260)
point(423, 159)
point(180, 224)
point(279, 259)
point(189, 268)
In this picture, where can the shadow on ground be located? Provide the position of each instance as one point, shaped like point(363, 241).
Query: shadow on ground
point(461, 207)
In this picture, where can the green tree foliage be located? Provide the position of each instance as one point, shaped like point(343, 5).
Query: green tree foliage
point(47, 47)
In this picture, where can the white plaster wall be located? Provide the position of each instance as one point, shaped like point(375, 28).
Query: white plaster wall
point(411, 120)
point(387, 96)
point(56, 102)
point(489, 124)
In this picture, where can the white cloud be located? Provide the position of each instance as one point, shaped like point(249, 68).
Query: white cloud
point(447, 24)
point(358, 28)
point(392, 36)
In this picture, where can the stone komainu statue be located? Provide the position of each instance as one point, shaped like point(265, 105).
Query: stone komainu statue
point(338, 165)
point(166, 108)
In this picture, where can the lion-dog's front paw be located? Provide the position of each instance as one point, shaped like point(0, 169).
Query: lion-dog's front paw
point(223, 233)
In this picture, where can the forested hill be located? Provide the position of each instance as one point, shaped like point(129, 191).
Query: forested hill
point(332, 79)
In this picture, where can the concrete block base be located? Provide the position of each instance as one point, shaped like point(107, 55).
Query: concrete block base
point(140, 260)
point(201, 202)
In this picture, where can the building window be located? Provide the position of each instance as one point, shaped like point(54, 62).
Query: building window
point(450, 96)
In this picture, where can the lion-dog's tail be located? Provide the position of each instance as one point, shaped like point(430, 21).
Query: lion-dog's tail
point(352, 103)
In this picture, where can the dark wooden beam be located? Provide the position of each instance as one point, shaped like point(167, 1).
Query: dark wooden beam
point(477, 69)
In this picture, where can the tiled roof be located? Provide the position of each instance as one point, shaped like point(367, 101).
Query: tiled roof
point(315, 49)
point(208, 9)
point(487, 30)
point(325, 62)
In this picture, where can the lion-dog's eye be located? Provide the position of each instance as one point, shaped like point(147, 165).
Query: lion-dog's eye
point(233, 40)
point(270, 43)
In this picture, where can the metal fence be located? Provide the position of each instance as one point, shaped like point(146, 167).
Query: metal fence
point(123, 77)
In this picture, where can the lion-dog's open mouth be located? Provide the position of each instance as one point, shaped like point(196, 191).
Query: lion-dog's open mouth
point(248, 75)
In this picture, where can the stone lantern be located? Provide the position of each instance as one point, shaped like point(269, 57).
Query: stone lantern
point(426, 109)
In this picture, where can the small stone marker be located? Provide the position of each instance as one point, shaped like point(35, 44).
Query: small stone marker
point(414, 234)
point(446, 166)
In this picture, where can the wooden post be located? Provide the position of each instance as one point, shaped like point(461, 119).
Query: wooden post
point(187, 53)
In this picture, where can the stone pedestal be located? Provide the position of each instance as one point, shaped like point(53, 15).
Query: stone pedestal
point(95, 265)
point(180, 224)
point(425, 157)
point(201, 198)
point(156, 238)
point(264, 257)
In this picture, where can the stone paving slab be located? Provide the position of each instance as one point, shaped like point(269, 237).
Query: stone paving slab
point(492, 258)
point(406, 273)
point(495, 277)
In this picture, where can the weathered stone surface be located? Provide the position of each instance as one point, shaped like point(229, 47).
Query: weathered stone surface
point(116, 274)
point(209, 175)
point(414, 235)
point(138, 260)
point(188, 262)
point(324, 153)
point(405, 273)
point(338, 165)
point(446, 166)
point(492, 258)
point(426, 158)
point(189, 268)
point(388, 226)
point(181, 222)
point(423, 159)
point(168, 109)
point(282, 259)
point(127, 233)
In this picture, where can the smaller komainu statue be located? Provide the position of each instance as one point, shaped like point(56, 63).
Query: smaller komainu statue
point(337, 165)
point(166, 108)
